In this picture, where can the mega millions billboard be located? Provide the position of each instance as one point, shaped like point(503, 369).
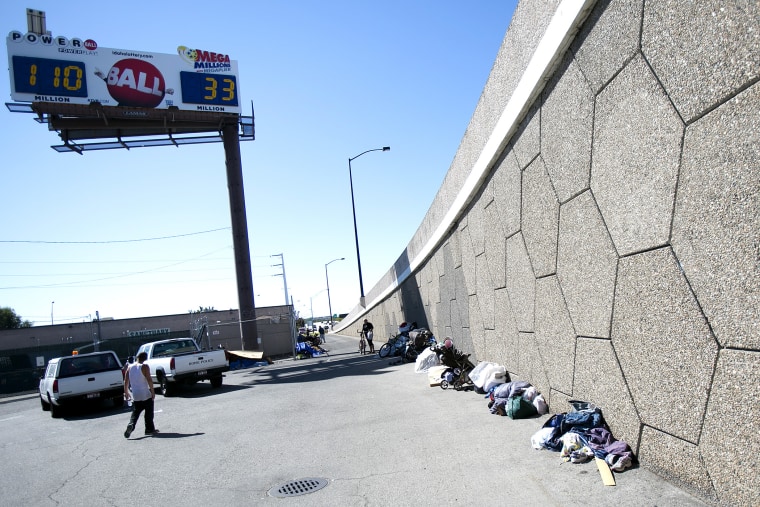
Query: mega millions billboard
point(46, 68)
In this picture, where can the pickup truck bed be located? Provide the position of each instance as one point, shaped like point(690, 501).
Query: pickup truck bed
point(180, 361)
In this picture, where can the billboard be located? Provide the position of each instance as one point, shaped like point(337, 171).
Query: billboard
point(46, 68)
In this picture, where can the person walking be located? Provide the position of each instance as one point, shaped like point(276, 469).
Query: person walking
point(321, 334)
point(139, 387)
point(368, 330)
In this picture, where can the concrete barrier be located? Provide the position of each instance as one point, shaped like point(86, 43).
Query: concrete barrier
point(597, 232)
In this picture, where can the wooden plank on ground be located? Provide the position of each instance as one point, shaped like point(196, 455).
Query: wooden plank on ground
point(605, 472)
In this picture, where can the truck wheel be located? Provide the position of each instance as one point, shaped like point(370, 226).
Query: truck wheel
point(55, 410)
point(165, 387)
point(45, 405)
point(216, 382)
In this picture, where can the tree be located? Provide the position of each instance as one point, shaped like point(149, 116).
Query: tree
point(9, 319)
point(203, 309)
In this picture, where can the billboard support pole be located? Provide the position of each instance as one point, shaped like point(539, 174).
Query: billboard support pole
point(248, 328)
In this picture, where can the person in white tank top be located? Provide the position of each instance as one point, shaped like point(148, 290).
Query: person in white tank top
point(139, 387)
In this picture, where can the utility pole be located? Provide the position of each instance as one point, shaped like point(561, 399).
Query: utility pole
point(97, 316)
point(284, 281)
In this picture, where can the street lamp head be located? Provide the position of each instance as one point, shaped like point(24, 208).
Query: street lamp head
point(334, 260)
point(386, 148)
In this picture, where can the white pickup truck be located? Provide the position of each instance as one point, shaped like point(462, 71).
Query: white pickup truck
point(81, 378)
point(181, 361)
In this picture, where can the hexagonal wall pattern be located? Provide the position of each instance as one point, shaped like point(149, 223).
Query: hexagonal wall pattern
point(485, 293)
point(496, 249)
point(531, 366)
point(663, 343)
point(476, 228)
point(716, 227)
point(468, 266)
point(731, 421)
point(702, 51)
point(637, 143)
point(641, 292)
point(566, 120)
point(540, 213)
point(506, 329)
point(477, 326)
point(586, 266)
point(527, 140)
point(554, 334)
point(521, 283)
point(611, 20)
point(598, 378)
point(665, 454)
point(506, 183)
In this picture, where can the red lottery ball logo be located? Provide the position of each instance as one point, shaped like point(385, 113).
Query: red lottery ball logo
point(90, 45)
point(136, 83)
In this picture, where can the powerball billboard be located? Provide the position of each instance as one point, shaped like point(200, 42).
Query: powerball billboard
point(46, 68)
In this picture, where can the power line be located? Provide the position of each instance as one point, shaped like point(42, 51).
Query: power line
point(48, 275)
point(111, 241)
point(79, 283)
point(115, 261)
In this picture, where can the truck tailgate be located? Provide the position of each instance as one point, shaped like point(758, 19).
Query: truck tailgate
point(200, 362)
point(90, 384)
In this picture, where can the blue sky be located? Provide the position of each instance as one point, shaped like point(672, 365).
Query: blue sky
point(328, 80)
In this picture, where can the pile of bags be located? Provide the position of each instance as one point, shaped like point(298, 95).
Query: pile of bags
point(486, 376)
point(582, 434)
point(516, 400)
point(579, 435)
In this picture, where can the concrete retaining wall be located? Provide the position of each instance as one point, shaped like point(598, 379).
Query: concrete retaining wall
point(604, 242)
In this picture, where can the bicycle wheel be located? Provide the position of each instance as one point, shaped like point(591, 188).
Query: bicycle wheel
point(385, 350)
point(411, 355)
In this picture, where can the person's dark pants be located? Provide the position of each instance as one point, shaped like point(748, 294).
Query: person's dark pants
point(371, 346)
point(137, 408)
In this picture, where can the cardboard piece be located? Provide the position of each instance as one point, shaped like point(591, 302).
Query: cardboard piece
point(247, 354)
point(605, 472)
point(434, 375)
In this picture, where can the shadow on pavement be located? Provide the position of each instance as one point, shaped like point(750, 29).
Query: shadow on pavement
point(174, 435)
point(339, 363)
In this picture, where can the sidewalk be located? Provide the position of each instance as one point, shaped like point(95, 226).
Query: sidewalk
point(383, 436)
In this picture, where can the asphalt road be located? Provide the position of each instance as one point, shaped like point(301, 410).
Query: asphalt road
point(369, 433)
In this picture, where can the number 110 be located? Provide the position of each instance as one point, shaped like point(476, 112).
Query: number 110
point(67, 77)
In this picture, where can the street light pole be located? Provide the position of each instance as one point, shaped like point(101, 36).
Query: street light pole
point(356, 234)
point(327, 279)
point(51, 312)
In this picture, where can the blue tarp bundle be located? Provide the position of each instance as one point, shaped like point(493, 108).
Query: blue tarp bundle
point(305, 348)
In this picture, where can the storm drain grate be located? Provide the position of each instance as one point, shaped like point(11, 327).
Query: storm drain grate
point(298, 487)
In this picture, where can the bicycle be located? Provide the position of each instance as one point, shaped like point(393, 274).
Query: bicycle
point(362, 342)
point(398, 345)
